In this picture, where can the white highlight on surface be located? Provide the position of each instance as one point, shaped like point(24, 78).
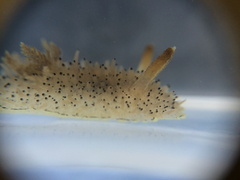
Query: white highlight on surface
point(212, 103)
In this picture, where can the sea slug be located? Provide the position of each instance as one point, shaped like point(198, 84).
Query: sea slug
point(41, 83)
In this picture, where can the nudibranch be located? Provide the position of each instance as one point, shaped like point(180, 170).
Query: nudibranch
point(41, 83)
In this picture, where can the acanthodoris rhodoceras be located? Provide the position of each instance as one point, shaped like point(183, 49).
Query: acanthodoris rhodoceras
point(42, 83)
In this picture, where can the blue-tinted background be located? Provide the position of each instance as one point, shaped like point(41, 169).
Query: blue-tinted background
point(101, 30)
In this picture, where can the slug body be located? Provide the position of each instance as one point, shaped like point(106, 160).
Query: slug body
point(42, 83)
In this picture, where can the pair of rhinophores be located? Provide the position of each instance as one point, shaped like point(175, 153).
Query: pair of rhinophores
point(41, 83)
